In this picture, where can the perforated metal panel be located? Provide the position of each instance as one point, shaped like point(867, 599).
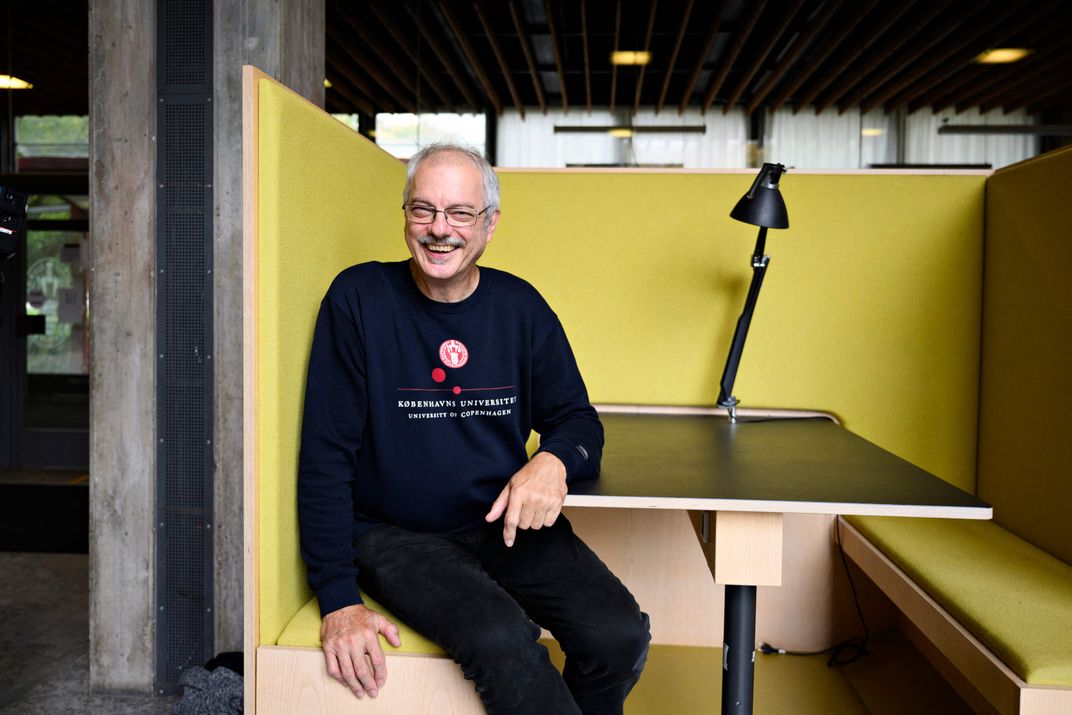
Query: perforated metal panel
point(184, 626)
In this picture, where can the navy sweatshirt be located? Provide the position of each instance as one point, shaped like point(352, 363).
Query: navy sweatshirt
point(417, 412)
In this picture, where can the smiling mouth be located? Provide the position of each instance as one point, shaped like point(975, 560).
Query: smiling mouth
point(442, 248)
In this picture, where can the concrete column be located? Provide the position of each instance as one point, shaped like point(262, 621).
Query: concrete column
point(285, 40)
point(122, 445)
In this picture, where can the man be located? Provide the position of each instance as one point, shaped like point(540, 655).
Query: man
point(425, 379)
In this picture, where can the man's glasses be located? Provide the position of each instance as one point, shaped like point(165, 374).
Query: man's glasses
point(457, 217)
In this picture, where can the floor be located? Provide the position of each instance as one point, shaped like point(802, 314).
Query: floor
point(680, 680)
point(44, 663)
point(44, 640)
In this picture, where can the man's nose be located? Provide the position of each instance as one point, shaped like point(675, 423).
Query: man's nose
point(439, 226)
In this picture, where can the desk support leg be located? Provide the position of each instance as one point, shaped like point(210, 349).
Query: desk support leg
point(739, 650)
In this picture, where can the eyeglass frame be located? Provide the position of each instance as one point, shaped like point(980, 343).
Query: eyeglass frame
point(446, 216)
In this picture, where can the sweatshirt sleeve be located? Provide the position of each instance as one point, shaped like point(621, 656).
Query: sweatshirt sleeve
point(568, 425)
point(332, 424)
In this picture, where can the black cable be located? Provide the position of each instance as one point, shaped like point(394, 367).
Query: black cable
point(848, 651)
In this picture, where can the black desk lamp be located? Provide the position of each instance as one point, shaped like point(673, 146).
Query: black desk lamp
point(762, 206)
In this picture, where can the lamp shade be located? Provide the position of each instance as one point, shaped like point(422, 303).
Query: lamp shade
point(763, 204)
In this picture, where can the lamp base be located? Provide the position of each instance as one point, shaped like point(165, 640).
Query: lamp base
point(730, 403)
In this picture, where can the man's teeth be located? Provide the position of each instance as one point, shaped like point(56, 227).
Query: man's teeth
point(440, 247)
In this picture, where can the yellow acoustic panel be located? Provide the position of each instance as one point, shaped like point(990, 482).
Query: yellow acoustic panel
point(1025, 454)
point(870, 308)
point(328, 198)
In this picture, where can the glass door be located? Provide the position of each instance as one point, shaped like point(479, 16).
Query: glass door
point(47, 341)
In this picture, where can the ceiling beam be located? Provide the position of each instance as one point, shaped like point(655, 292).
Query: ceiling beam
point(854, 70)
point(1002, 78)
point(701, 59)
point(1044, 66)
point(944, 64)
point(1040, 90)
point(754, 65)
point(839, 69)
point(361, 29)
point(367, 66)
point(342, 89)
point(1037, 104)
point(789, 60)
point(476, 67)
point(647, 48)
point(445, 59)
point(558, 55)
point(674, 53)
point(403, 42)
point(493, 40)
point(948, 89)
point(932, 51)
point(614, 67)
point(587, 70)
point(727, 62)
point(904, 57)
point(1025, 91)
point(360, 82)
point(526, 49)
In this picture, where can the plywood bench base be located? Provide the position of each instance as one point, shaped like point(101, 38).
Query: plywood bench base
point(293, 680)
point(985, 683)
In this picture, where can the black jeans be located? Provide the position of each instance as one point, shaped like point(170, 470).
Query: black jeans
point(481, 602)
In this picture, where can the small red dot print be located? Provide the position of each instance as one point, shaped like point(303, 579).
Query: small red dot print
point(457, 390)
point(439, 374)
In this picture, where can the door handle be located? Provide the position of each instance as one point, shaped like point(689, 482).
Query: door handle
point(29, 325)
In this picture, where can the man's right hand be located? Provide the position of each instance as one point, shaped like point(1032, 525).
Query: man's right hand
point(351, 644)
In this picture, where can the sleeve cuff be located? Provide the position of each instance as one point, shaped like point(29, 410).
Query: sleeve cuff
point(573, 457)
point(336, 594)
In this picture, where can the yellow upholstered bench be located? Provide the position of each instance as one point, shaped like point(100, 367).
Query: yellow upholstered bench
point(998, 608)
point(1015, 598)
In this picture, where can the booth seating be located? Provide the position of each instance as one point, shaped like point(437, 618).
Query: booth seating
point(868, 304)
point(991, 602)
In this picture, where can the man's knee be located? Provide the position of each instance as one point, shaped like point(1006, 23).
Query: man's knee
point(618, 646)
point(629, 644)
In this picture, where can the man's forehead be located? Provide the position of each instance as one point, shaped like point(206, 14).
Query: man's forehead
point(462, 175)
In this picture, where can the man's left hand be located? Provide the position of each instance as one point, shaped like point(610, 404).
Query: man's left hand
point(533, 497)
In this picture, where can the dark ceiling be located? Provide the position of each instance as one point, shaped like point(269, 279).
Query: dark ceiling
point(429, 55)
point(434, 55)
point(45, 42)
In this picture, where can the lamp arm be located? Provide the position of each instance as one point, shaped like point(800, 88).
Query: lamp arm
point(740, 333)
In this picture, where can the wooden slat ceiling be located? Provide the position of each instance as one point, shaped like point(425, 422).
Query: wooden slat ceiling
point(45, 42)
point(716, 55)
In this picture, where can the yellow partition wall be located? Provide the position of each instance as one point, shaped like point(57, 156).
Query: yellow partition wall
point(870, 307)
point(327, 198)
point(1024, 446)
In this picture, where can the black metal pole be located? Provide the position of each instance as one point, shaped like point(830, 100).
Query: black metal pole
point(738, 650)
point(733, 360)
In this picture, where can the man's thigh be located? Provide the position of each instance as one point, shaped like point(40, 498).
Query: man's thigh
point(561, 583)
point(438, 586)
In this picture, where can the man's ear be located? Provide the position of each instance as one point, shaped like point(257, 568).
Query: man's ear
point(493, 223)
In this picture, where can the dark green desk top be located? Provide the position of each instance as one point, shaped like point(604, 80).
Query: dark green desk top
point(811, 466)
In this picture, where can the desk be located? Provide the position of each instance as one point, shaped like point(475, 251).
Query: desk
point(747, 475)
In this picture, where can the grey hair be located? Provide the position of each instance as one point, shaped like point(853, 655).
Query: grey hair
point(490, 180)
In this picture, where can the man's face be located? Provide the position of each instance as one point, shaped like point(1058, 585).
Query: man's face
point(446, 255)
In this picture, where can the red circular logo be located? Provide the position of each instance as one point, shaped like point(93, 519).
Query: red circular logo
point(453, 353)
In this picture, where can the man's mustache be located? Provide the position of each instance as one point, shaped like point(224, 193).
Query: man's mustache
point(454, 241)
